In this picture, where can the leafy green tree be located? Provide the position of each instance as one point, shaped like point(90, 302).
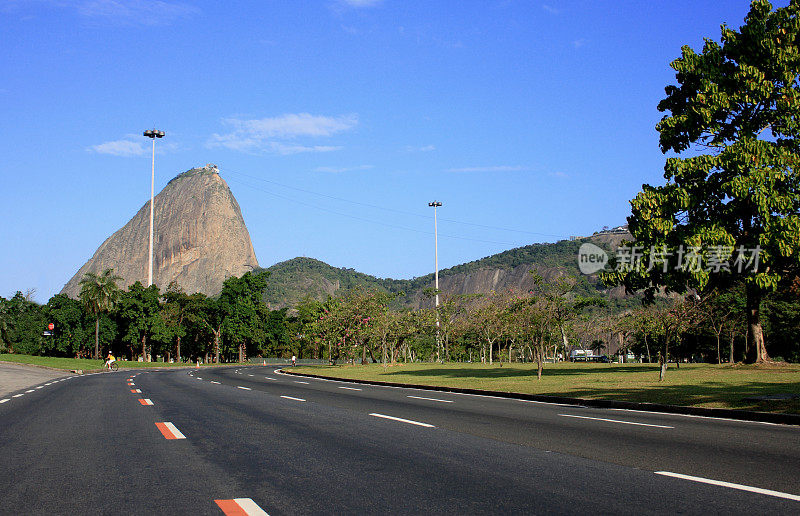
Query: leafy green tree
point(732, 194)
point(70, 334)
point(99, 293)
point(139, 310)
point(239, 301)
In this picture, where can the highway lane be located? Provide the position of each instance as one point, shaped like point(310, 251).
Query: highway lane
point(89, 445)
point(751, 453)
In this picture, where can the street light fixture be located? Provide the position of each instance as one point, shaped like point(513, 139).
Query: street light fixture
point(152, 134)
point(434, 205)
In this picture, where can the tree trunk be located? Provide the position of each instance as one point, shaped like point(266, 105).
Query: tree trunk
point(730, 359)
point(145, 358)
point(719, 352)
point(241, 352)
point(216, 345)
point(564, 342)
point(490, 352)
point(364, 354)
point(97, 338)
point(647, 347)
point(178, 350)
point(754, 328)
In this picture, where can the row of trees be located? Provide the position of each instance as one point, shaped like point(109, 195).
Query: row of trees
point(143, 322)
point(546, 322)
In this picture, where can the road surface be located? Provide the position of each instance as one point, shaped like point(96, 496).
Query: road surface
point(210, 441)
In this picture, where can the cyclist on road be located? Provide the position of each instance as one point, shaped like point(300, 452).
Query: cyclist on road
point(294, 360)
point(110, 360)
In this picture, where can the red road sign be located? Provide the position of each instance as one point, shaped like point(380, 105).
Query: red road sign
point(51, 326)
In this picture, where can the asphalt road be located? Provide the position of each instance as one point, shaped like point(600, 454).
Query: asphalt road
point(291, 445)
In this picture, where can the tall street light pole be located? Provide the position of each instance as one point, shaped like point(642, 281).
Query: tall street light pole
point(434, 205)
point(152, 134)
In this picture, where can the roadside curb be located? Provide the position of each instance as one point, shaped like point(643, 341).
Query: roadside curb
point(742, 415)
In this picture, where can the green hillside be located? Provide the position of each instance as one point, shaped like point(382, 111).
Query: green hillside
point(292, 280)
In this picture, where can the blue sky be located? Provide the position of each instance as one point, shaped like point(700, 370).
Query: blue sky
point(335, 122)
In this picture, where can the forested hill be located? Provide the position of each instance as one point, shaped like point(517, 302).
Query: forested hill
point(294, 279)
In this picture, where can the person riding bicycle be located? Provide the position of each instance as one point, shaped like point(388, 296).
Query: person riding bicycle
point(110, 360)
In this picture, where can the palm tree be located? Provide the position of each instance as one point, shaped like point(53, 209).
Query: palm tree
point(99, 293)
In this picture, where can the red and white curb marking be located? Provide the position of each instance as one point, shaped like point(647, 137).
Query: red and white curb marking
point(240, 506)
point(136, 391)
point(169, 430)
point(145, 401)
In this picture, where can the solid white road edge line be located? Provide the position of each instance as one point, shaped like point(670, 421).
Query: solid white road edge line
point(350, 388)
point(245, 388)
point(429, 399)
point(291, 398)
point(696, 416)
point(731, 485)
point(418, 423)
point(615, 421)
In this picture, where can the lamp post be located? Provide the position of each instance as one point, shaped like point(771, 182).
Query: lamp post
point(152, 134)
point(434, 205)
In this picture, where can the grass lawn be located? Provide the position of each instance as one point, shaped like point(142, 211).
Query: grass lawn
point(699, 385)
point(81, 363)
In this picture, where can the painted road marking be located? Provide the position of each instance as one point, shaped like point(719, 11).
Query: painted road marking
point(17, 395)
point(273, 379)
point(350, 388)
point(29, 390)
point(696, 416)
point(384, 416)
point(245, 388)
point(250, 375)
point(136, 391)
point(145, 401)
point(131, 384)
point(240, 507)
point(169, 430)
point(298, 381)
point(39, 387)
point(198, 378)
point(51, 383)
point(4, 400)
point(615, 421)
point(212, 381)
point(741, 487)
point(429, 399)
point(291, 398)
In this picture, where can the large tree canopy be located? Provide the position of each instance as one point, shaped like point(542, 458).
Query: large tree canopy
point(730, 209)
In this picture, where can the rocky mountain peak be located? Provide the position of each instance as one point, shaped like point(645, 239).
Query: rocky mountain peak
point(199, 238)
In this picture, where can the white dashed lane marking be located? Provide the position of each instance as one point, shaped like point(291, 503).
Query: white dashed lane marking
point(350, 388)
point(731, 485)
point(298, 381)
point(212, 381)
point(4, 400)
point(615, 421)
point(429, 399)
point(292, 398)
point(245, 388)
point(17, 395)
point(400, 419)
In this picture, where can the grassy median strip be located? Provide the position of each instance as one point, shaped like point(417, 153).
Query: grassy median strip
point(768, 388)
